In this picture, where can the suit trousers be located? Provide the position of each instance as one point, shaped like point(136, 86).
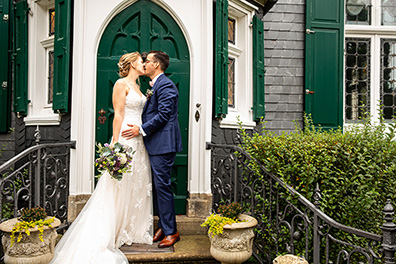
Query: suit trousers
point(164, 203)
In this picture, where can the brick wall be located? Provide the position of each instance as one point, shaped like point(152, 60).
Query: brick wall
point(284, 27)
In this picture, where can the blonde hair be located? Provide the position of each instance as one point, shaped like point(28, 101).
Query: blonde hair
point(124, 65)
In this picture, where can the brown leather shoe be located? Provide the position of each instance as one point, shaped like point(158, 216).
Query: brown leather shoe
point(169, 240)
point(158, 235)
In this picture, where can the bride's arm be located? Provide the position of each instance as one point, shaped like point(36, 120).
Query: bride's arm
point(119, 95)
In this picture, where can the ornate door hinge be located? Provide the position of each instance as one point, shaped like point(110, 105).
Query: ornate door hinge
point(102, 118)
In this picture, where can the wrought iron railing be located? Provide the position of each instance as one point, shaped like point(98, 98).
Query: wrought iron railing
point(296, 225)
point(38, 176)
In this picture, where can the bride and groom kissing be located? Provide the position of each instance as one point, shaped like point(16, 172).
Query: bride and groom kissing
point(121, 212)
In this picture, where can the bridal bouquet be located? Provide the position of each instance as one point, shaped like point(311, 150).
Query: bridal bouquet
point(115, 160)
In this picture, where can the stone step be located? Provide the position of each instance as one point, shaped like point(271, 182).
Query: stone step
point(187, 225)
point(190, 249)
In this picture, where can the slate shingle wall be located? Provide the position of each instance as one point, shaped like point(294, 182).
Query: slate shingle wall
point(284, 27)
point(7, 142)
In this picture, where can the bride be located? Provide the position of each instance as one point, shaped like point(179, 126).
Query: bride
point(118, 212)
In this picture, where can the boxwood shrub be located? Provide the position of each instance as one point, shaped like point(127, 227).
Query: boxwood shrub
point(355, 167)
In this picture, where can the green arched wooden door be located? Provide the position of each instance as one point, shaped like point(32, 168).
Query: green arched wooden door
point(142, 27)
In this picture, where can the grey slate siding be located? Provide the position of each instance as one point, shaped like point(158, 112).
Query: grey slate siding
point(284, 27)
point(7, 143)
point(22, 136)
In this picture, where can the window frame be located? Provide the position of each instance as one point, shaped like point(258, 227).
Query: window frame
point(375, 33)
point(40, 44)
point(242, 51)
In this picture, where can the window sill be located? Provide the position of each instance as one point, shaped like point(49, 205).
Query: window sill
point(231, 121)
point(51, 120)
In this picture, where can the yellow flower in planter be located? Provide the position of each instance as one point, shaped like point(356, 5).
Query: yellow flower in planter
point(229, 215)
point(30, 219)
point(216, 223)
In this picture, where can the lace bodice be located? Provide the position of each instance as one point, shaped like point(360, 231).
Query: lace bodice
point(134, 104)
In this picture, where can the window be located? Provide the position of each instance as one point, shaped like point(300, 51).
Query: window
point(231, 30)
point(370, 59)
point(231, 82)
point(50, 77)
point(240, 65)
point(51, 22)
point(41, 65)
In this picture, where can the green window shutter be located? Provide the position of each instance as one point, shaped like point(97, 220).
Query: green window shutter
point(221, 59)
point(5, 92)
point(258, 69)
point(20, 57)
point(324, 62)
point(62, 55)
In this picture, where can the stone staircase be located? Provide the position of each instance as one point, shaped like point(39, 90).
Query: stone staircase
point(193, 246)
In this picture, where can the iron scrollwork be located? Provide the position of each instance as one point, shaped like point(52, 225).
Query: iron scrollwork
point(295, 225)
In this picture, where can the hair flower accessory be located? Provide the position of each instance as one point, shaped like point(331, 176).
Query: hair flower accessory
point(120, 64)
point(149, 93)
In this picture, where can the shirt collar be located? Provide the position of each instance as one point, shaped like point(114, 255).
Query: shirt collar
point(156, 77)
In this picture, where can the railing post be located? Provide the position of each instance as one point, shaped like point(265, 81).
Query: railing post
point(236, 181)
point(388, 234)
point(37, 193)
point(316, 241)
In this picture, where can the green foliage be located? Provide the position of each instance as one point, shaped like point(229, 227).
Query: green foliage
point(33, 214)
point(7, 208)
point(355, 168)
point(231, 210)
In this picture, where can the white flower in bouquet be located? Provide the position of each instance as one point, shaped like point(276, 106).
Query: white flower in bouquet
point(123, 158)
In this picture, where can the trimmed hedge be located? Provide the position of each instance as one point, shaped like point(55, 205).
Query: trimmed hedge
point(355, 168)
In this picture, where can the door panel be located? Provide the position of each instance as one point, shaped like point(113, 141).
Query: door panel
point(142, 27)
point(324, 62)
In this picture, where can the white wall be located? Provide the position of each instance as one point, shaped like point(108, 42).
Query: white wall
point(90, 19)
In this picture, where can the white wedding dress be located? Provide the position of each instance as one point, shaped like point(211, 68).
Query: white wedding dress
point(118, 212)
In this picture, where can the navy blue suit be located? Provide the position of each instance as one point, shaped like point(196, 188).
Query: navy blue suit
point(162, 141)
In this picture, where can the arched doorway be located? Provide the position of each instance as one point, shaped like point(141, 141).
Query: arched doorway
point(142, 27)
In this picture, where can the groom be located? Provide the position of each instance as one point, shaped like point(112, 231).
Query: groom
point(161, 135)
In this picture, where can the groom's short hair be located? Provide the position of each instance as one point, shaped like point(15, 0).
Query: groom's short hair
point(162, 58)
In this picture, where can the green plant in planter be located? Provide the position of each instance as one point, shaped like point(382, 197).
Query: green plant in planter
point(228, 214)
point(30, 218)
point(231, 210)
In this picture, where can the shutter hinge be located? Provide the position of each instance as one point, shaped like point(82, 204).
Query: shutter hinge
point(4, 85)
point(309, 31)
point(6, 17)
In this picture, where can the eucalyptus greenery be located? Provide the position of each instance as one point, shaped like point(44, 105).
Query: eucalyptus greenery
point(355, 168)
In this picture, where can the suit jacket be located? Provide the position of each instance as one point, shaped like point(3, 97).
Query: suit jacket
point(159, 117)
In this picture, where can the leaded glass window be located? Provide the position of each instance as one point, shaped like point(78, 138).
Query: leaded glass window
point(388, 77)
point(52, 22)
point(50, 76)
point(231, 30)
point(358, 12)
point(231, 82)
point(357, 78)
point(388, 12)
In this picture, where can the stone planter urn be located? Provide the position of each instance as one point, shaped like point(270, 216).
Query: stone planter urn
point(30, 250)
point(235, 244)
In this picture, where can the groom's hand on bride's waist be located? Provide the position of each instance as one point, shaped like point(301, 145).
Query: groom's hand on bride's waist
point(131, 132)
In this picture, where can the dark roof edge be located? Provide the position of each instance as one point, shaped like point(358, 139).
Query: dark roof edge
point(263, 9)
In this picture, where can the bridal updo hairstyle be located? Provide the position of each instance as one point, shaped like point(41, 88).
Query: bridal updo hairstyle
point(124, 65)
